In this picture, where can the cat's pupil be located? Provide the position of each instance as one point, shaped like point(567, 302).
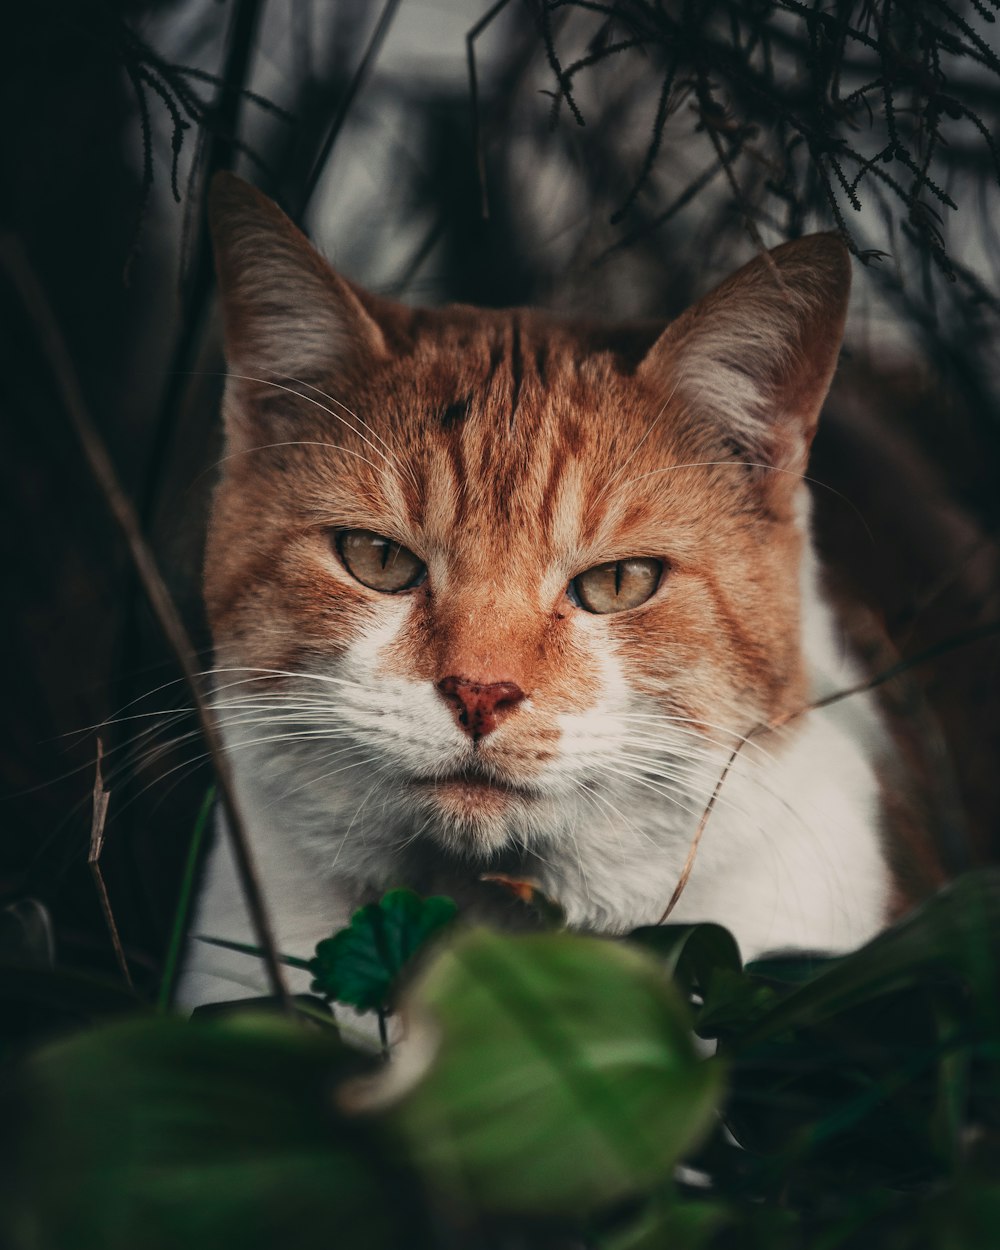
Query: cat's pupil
point(378, 562)
point(617, 585)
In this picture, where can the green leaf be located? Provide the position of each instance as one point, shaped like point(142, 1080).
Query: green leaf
point(565, 1076)
point(855, 1095)
point(172, 1135)
point(790, 969)
point(361, 965)
point(704, 959)
point(955, 934)
point(693, 953)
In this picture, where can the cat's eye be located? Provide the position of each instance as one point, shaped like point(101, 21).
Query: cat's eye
point(378, 562)
point(617, 585)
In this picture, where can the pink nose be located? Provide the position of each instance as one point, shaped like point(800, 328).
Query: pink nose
point(479, 706)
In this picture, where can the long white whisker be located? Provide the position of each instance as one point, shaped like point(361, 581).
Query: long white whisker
point(390, 451)
point(309, 400)
point(671, 791)
point(595, 796)
point(634, 452)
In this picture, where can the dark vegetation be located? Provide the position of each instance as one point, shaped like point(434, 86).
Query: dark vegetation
point(544, 1095)
point(618, 156)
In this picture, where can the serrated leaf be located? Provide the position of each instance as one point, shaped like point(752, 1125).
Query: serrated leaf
point(565, 1078)
point(361, 965)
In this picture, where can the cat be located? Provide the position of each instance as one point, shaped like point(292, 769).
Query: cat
point(500, 591)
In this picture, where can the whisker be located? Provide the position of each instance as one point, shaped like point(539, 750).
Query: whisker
point(390, 451)
point(634, 452)
point(609, 770)
point(330, 412)
point(312, 781)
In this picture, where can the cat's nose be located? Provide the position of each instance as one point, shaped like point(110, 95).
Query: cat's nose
point(479, 706)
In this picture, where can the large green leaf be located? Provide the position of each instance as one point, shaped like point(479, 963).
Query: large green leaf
point(863, 1070)
point(854, 1097)
point(565, 1076)
point(170, 1135)
point(361, 964)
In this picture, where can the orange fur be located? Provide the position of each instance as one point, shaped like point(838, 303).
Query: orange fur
point(510, 452)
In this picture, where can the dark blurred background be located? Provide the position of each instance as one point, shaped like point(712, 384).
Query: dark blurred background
point(616, 159)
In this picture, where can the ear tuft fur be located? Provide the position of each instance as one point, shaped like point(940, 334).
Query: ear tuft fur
point(758, 352)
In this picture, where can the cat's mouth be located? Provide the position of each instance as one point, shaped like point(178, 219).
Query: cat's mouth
point(472, 794)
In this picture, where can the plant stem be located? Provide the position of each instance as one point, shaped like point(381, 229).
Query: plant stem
point(184, 901)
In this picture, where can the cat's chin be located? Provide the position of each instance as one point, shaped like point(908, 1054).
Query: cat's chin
point(476, 801)
point(474, 817)
point(473, 813)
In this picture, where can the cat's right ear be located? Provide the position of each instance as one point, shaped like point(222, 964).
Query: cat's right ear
point(755, 356)
point(287, 317)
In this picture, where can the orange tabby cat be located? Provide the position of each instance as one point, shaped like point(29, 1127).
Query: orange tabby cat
point(497, 590)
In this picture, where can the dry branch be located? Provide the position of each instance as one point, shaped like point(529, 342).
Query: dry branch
point(102, 798)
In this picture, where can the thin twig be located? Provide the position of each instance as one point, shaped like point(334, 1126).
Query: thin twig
point(102, 797)
point(477, 139)
point(682, 880)
point(989, 630)
point(54, 347)
point(694, 188)
point(355, 85)
point(217, 152)
point(726, 158)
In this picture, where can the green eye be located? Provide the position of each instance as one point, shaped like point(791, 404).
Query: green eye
point(617, 585)
point(378, 562)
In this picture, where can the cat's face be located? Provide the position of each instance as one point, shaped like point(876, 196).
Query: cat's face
point(474, 577)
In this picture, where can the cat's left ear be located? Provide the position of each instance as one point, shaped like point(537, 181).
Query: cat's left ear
point(286, 315)
point(757, 354)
